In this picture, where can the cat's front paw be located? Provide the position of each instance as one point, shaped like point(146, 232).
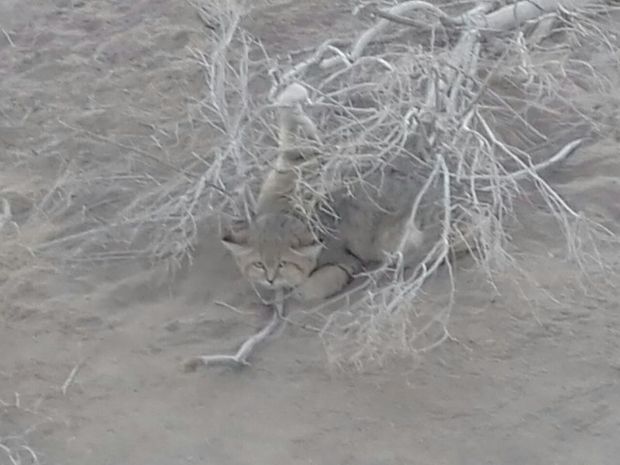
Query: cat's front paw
point(311, 291)
point(323, 283)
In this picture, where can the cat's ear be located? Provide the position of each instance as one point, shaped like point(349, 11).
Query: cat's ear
point(311, 251)
point(235, 237)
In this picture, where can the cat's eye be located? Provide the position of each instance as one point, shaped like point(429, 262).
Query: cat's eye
point(258, 265)
point(283, 264)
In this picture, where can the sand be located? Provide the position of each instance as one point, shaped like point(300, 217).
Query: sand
point(90, 358)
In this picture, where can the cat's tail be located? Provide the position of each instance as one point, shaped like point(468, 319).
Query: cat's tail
point(279, 185)
point(291, 117)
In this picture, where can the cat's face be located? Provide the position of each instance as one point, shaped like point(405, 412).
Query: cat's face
point(271, 259)
point(286, 268)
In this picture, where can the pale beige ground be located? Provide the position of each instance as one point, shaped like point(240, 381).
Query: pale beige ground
point(529, 382)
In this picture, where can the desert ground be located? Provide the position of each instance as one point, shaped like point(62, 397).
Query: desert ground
point(91, 355)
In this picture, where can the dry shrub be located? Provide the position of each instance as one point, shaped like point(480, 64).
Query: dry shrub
point(476, 111)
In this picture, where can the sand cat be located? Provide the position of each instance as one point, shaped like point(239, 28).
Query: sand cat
point(374, 218)
point(279, 249)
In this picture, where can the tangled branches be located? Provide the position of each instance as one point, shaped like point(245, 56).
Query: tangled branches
point(478, 99)
point(478, 119)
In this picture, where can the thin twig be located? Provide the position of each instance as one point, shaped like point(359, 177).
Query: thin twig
point(6, 214)
point(70, 378)
point(8, 37)
point(240, 358)
point(136, 150)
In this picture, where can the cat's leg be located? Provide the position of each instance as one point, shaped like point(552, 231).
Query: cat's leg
point(323, 283)
point(332, 276)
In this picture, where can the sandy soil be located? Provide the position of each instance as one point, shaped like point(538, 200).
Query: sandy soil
point(531, 380)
